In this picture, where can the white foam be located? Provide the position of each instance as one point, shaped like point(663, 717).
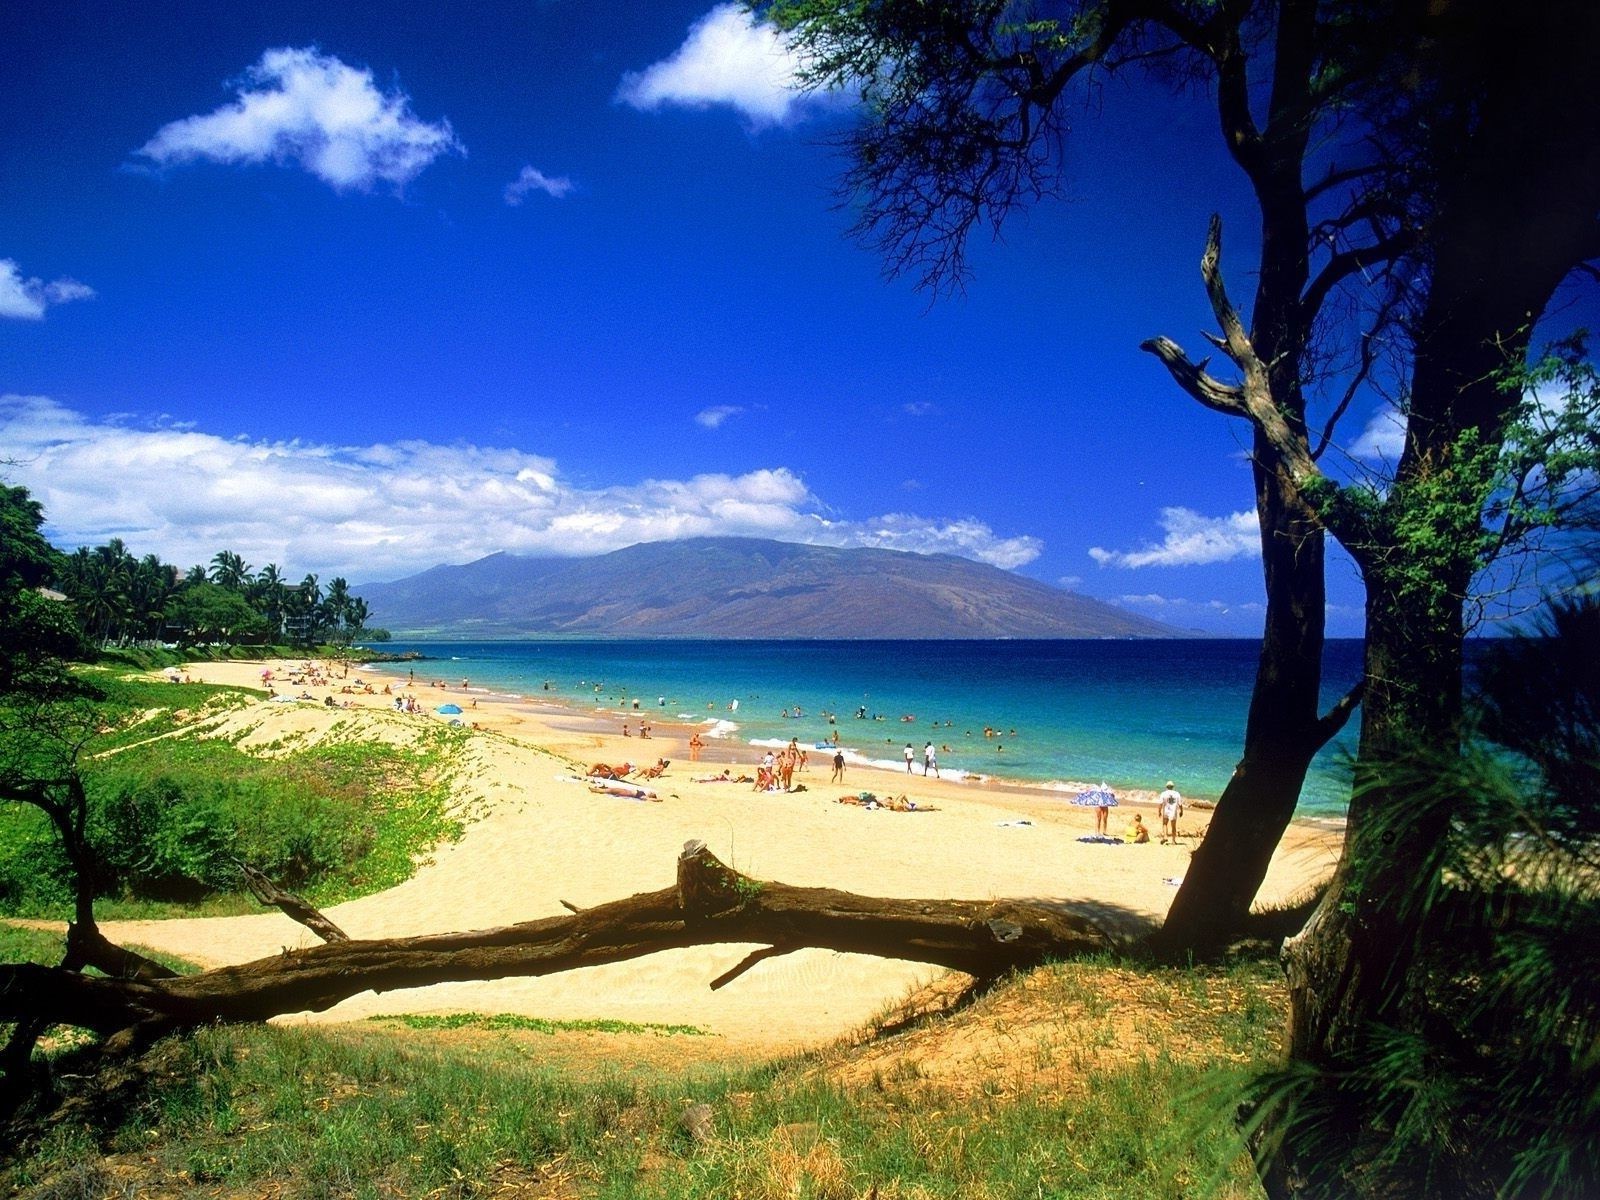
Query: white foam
point(719, 728)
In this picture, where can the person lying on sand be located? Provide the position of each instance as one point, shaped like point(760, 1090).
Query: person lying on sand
point(625, 790)
point(603, 771)
point(657, 771)
point(725, 777)
point(893, 803)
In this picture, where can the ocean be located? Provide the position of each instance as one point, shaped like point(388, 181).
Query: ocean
point(1131, 714)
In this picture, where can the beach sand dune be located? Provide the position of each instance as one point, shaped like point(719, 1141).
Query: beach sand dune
point(541, 838)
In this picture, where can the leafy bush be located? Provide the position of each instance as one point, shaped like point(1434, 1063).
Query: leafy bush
point(33, 870)
point(1492, 1087)
point(170, 819)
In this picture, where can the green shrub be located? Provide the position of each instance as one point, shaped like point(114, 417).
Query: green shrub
point(34, 875)
point(171, 817)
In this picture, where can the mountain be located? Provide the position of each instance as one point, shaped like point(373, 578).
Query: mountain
point(729, 587)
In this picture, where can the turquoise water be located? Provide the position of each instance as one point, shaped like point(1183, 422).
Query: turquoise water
point(1130, 713)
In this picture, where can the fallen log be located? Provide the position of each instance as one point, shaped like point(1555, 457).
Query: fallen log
point(709, 904)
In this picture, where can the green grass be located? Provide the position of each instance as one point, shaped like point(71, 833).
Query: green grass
point(19, 944)
point(512, 1021)
point(361, 1113)
point(171, 811)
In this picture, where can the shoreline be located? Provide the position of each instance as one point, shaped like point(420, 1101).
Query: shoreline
point(603, 723)
point(539, 837)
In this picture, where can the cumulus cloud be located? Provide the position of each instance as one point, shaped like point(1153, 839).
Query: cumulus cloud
point(25, 299)
point(729, 59)
point(533, 180)
point(713, 417)
point(386, 510)
point(1191, 540)
point(305, 107)
point(1383, 439)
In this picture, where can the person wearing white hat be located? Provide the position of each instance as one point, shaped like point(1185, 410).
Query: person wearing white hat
point(1170, 804)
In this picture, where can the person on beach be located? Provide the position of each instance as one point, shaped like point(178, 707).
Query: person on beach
point(1170, 804)
point(695, 746)
point(910, 757)
point(838, 767)
point(1135, 834)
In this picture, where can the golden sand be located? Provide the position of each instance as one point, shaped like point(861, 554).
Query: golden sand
point(541, 838)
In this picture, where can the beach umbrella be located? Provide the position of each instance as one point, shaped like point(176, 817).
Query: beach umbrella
point(449, 709)
point(1100, 797)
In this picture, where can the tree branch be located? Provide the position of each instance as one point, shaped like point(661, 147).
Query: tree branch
point(1193, 379)
point(710, 904)
point(292, 906)
point(1347, 262)
point(1328, 726)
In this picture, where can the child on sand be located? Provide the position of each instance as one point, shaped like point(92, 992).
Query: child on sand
point(1136, 834)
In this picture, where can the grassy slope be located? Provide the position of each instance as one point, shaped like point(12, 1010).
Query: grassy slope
point(1082, 1080)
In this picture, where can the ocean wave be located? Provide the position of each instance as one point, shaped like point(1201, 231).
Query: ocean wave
point(719, 728)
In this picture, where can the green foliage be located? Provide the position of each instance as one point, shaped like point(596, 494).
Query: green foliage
point(168, 818)
point(206, 612)
point(36, 633)
point(1490, 1085)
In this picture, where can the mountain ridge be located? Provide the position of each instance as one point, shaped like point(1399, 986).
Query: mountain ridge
point(728, 587)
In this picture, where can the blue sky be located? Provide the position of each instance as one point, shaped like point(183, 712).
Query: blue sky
point(359, 289)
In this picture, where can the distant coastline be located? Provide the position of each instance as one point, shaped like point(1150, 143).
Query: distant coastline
point(1060, 714)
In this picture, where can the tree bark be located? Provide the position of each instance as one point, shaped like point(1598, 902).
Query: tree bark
point(1283, 733)
point(709, 904)
point(1517, 216)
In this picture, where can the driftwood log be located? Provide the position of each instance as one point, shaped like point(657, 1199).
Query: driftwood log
point(710, 903)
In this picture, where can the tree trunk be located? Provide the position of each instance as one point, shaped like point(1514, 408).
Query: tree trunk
point(1282, 734)
point(710, 904)
point(1513, 221)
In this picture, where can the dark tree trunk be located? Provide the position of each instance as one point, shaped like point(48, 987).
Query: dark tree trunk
point(1515, 219)
point(1282, 735)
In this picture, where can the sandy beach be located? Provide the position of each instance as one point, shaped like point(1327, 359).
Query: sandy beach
point(540, 837)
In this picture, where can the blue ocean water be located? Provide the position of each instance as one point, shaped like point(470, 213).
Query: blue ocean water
point(1130, 713)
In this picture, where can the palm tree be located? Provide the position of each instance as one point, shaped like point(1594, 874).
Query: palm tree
point(150, 586)
point(230, 571)
point(268, 595)
point(335, 606)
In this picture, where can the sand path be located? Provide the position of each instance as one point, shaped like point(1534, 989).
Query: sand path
point(543, 839)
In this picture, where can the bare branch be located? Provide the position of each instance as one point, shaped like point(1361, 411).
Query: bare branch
point(291, 905)
point(1346, 263)
point(748, 961)
point(1235, 340)
point(1327, 728)
point(710, 904)
point(1192, 378)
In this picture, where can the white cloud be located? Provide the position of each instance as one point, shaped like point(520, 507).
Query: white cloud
point(731, 59)
point(1179, 605)
point(386, 510)
point(533, 180)
point(1191, 540)
point(966, 537)
point(26, 299)
point(917, 408)
point(1383, 439)
point(309, 108)
point(713, 417)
